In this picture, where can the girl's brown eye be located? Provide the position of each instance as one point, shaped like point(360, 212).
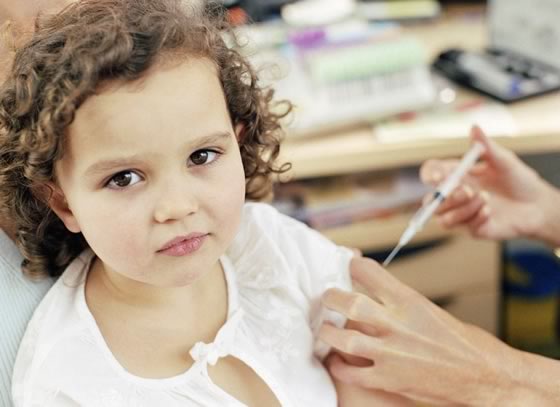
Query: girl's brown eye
point(204, 157)
point(199, 157)
point(123, 179)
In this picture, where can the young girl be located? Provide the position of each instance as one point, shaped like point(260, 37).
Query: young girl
point(131, 136)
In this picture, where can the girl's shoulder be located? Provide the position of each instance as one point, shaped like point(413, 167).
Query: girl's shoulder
point(273, 241)
point(265, 218)
point(274, 253)
point(262, 222)
point(260, 213)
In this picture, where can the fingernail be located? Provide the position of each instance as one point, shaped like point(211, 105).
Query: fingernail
point(357, 252)
point(468, 191)
point(485, 196)
point(436, 176)
point(486, 210)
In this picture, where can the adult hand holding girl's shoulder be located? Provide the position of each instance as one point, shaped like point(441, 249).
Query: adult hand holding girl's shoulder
point(409, 346)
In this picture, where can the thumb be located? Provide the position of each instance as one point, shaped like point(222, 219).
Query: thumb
point(494, 155)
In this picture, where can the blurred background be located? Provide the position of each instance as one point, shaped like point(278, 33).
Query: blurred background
point(381, 86)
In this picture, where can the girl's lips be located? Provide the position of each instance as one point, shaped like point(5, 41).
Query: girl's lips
point(183, 245)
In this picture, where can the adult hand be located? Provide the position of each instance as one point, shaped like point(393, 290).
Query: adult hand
point(409, 346)
point(500, 198)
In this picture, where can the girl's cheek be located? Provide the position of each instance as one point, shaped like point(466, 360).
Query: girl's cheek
point(117, 230)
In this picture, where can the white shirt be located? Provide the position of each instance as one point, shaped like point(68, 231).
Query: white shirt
point(276, 271)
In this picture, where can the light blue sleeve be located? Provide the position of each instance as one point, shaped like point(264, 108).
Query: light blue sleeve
point(18, 298)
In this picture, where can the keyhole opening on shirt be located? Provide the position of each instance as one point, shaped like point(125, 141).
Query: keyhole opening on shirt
point(241, 382)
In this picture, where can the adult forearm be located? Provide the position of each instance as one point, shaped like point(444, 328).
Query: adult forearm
point(535, 382)
point(548, 229)
point(507, 376)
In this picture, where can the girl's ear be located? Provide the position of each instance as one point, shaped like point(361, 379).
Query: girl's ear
point(239, 131)
point(57, 202)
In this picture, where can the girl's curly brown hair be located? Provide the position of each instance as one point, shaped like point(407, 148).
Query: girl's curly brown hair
point(69, 55)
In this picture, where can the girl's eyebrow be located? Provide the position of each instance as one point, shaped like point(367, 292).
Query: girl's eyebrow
point(104, 166)
point(218, 137)
point(101, 167)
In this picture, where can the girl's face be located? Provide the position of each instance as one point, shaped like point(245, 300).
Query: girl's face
point(152, 175)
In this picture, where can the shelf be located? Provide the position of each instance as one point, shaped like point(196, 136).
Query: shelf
point(358, 151)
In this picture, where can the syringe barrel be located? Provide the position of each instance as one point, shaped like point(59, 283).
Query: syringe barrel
point(425, 213)
point(469, 159)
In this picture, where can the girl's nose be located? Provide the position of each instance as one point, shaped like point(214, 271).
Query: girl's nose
point(175, 203)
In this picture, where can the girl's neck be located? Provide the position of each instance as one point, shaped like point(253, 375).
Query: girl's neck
point(141, 295)
point(163, 321)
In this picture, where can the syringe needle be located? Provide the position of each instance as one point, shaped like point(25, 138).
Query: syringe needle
point(444, 189)
point(392, 255)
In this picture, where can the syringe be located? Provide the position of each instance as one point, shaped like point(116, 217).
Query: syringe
point(442, 191)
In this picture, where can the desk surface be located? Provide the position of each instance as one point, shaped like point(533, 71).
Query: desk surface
point(356, 149)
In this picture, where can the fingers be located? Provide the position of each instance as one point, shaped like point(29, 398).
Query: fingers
point(349, 359)
point(432, 172)
point(495, 155)
point(491, 149)
point(356, 252)
point(460, 196)
point(348, 373)
point(357, 307)
point(482, 218)
point(350, 342)
point(376, 281)
point(463, 212)
point(368, 329)
point(363, 387)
